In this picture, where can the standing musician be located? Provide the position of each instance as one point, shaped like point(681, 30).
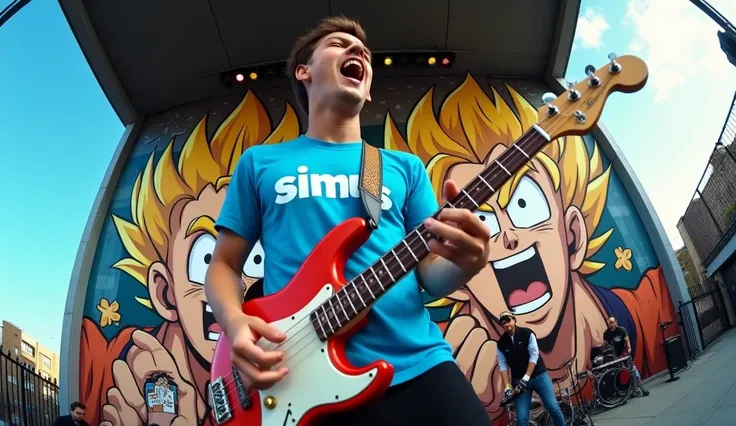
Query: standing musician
point(330, 69)
point(617, 336)
point(517, 351)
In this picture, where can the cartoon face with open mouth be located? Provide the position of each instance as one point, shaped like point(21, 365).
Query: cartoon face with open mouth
point(531, 238)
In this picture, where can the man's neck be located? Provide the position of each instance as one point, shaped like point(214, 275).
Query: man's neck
point(328, 125)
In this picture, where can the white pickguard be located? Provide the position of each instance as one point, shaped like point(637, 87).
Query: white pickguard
point(312, 379)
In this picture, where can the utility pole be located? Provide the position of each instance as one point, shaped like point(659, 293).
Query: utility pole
point(11, 10)
point(727, 37)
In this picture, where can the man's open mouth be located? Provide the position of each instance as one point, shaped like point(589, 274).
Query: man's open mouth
point(353, 69)
point(212, 330)
point(523, 281)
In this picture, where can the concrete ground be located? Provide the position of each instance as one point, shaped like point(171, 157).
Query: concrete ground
point(704, 395)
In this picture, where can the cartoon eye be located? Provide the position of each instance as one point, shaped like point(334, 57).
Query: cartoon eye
point(200, 256)
point(254, 264)
point(490, 220)
point(528, 205)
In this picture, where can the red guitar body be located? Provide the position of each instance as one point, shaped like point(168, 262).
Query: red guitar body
point(321, 380)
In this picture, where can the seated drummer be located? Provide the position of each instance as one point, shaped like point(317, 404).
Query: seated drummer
point(617, 337)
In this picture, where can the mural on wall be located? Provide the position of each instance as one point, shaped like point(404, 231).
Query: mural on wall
point(568, 248)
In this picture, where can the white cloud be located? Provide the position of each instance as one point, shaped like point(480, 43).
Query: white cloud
point(678, 42)
point(591, 27)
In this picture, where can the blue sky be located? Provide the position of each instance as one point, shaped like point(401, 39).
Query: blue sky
point(58, 132)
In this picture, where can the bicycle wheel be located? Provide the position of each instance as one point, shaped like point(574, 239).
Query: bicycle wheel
point(614, 387)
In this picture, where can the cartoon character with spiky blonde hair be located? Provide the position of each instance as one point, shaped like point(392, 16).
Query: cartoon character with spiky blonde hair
point(169, 241)
point(544, 224)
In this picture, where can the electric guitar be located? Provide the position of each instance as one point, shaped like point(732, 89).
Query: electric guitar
point(319, 310)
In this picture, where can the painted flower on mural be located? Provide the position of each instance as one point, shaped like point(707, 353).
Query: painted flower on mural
point(623, 258)
point(109, 312)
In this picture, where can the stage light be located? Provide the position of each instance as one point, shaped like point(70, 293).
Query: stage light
point(388, 61)
point(239, 77)
point(432, 60)
point(445, 62)
point(253, 75)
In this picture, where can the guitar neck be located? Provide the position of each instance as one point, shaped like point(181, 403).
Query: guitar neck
point(360, 293)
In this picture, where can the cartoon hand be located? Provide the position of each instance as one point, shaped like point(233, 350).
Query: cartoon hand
point(126, 402)
point(475, 353)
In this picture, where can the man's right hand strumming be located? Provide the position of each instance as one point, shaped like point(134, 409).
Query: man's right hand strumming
point(255, 363)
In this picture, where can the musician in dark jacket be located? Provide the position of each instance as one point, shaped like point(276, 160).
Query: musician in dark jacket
point(519, 362)
point(75, 417)
point(617, 336)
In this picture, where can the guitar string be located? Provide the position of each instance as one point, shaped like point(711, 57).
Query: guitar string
point(418, 238)
point(465, 197)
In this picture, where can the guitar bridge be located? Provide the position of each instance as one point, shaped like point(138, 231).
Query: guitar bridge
point(242, 394)
point(219, 402)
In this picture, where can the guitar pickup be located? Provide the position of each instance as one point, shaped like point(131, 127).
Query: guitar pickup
point(242, 393)
point(219, 402)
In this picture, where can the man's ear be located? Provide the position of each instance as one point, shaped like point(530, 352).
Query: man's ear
point(368, 97)
point(161, 293)
point(303, 73)
point(577, 237)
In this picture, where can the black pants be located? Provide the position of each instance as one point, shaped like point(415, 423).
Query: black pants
point(442, 396)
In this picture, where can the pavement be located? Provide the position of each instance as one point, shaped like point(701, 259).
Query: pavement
point(705, 394)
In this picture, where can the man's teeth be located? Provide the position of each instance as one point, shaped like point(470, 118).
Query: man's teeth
point(213, 336)
point(531, 306)
point(514, 258)
point(207, 307)
point(353, 62)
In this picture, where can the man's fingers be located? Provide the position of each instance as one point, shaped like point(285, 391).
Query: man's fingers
point(450, 189)
point(466, 220)
point(452, 235)
point(267, 331)
point(258, 378)
point(245, 348)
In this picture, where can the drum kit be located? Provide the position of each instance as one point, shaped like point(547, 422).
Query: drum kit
point(612, 380)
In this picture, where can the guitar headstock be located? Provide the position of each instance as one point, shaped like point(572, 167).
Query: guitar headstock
point(577, 111)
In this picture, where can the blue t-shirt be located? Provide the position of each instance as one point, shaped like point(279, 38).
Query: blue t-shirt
point(290, 195)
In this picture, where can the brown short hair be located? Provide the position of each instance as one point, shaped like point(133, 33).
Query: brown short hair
point(303, 49)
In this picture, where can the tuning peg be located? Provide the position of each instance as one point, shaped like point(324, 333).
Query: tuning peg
point(548, 98)
point(593, 81)
point(574, 94)
point(614, 67)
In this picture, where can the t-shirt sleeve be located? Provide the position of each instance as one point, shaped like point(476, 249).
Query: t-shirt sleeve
point(624, 333)
point(241, 210)
point(421, 201)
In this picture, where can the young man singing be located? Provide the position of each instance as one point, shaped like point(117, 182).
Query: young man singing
point(330, 68)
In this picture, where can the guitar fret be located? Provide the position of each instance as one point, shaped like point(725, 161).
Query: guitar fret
point(376, 277)
point(471, 198)
point(504, 168)
point(409, 248)
point(398, 260)
point(450, 204)
point(334, 312)
point(387, 270)
point(421, 238)
point(522, 151)
point(359, 296)
point(327, 318)
point(367, 286)
point(344, 312)
point(347, 296)
point(321, 327)
point(487, 184)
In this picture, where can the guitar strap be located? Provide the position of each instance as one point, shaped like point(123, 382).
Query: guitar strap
point(371, 182)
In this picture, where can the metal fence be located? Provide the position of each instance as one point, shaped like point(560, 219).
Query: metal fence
point(710, 218)
point(704, 317)
point(26, 398)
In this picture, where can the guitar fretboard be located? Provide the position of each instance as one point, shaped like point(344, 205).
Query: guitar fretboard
point(360, 293)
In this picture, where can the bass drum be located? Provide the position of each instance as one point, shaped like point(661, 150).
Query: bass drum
point(614, 386)
point(545, 418)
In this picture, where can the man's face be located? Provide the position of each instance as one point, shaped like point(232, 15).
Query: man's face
point(78, 414)
point(193, 241)
point(611, 324)
point(530, 258)
point(508, 323)
point(339, 74)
